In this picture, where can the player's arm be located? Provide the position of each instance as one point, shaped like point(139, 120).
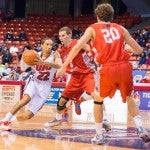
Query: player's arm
point(136, 48)
point(86, 47)
point(57, 61)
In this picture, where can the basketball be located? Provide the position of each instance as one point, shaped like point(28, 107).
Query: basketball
point(29, 56)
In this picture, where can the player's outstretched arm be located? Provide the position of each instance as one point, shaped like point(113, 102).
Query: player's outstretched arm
point(131, 42)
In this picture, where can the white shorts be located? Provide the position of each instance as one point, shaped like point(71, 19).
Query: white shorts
point(38, 91)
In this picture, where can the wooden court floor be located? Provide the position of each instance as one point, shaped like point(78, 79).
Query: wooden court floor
point(31, 135)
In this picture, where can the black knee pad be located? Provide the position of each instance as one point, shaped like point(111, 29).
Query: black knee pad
point(64, 106)
point(98, 103)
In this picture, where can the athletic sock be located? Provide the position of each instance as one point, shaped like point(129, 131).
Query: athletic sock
point(58, 116)
point(138, 121)
point(98, 127)
point(14, 119)
point(8, 117)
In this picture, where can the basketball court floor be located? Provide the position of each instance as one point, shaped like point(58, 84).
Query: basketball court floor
point(31, 135)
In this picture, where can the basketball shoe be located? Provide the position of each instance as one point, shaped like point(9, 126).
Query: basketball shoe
point(106, 125)
point(98, 139)
point(54, 122)
point(77, 106)
point(4, 125)
point(143, 134)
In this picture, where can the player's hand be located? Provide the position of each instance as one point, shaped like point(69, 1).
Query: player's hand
point(38, 61)
point(60, 72)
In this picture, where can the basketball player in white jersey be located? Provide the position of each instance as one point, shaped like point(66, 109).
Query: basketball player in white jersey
point(37, 86)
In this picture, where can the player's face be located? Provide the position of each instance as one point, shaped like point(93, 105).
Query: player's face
point(64, 37)
point(47, 45)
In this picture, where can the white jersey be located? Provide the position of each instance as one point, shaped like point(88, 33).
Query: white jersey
point(43, 73)
point(38, 85)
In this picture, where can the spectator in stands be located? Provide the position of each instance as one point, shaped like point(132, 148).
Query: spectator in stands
point(76, 32)
point(148, 60)
point(9, 36)
point(142, 60)
point(6, 70)
point(146, 79)
point(7, 57)
point(56, 39)
point(23, 36)
point(13, 49)
point(13, 75)
point(2, 67)
point(27, 46)
point(145, 33)
point(148, 44)
point(37, 47)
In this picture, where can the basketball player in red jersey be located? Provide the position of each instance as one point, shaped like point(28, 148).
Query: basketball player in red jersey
point(116, 71)
point(37, 86)
point(82, 75)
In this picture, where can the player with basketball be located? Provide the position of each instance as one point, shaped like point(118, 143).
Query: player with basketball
point(116, 71)
point(82, 75)
point(38, 85)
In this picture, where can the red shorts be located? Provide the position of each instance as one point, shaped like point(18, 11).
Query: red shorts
point(78, 84)
point(113, 77)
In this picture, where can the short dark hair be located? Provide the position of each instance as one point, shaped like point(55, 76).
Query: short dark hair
point(104, 12)
point(45, 39)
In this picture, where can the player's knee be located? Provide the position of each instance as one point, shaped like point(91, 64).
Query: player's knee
point(61, 104)
point(98, 103)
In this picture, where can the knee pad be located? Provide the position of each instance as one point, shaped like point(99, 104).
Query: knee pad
point(98, 103)
point(60, 108)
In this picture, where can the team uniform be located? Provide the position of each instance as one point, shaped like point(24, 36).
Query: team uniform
point(82, 73)
point(116, 70)
point(38, 85)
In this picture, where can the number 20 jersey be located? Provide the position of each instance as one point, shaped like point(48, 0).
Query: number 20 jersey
point(109, 39)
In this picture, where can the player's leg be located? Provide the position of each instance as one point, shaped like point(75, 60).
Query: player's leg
point(98, 116)
point(134, 112)
point(71, 91)
point(24, 116)
point(61, 106)
point(77, 103)
point(126, 87)
point(4, 124)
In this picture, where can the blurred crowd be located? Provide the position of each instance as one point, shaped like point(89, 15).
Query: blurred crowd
point(142, 36)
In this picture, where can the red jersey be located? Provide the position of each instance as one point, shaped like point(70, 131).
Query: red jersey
point(109, 39)
point(80, 64)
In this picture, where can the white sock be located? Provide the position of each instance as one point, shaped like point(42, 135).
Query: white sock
point(58, 116)
point(98, 127)
point(14, 119)
point(138, 121)
point(8, 117)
